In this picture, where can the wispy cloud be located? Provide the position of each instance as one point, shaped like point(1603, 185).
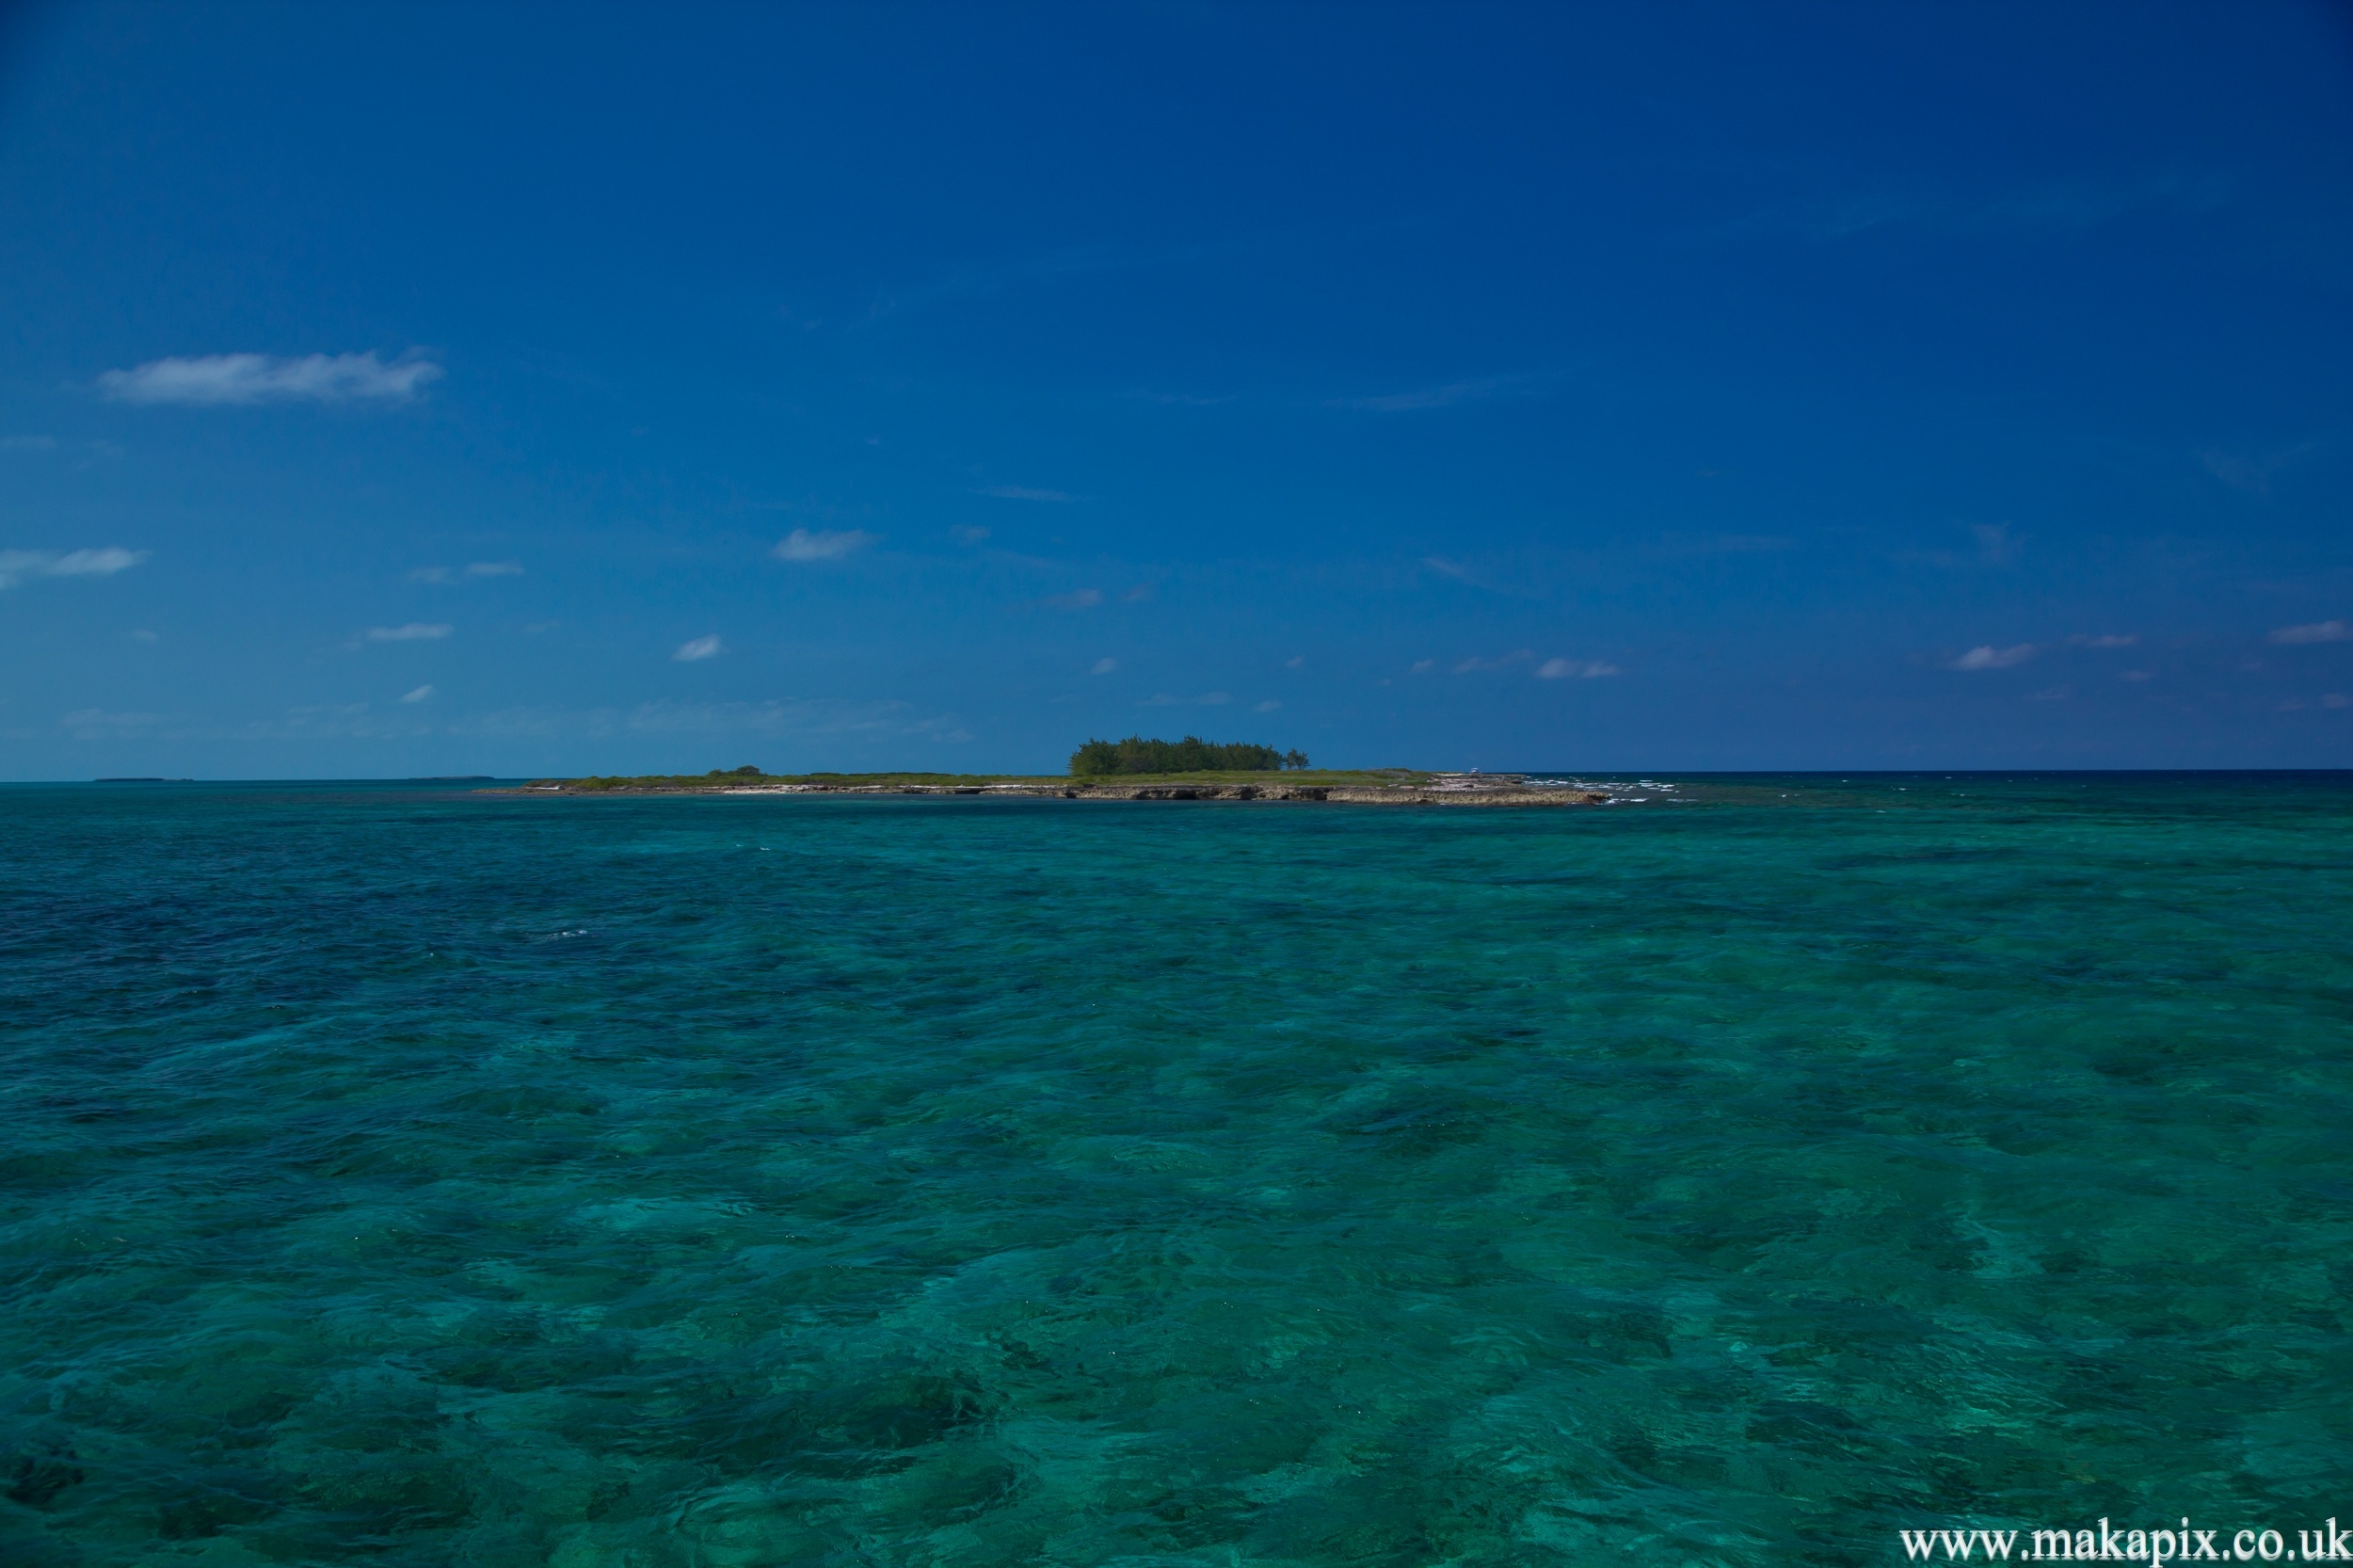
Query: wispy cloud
point(698, 648)
point(215, 381)
point(1086, 598)
point(1582, 670)
point(1104, 666)
point(28, 443)
point(1207, 699)
point(2051, 693)
point(1987, 657)
point(1506, 660)
point(479, 568)
point(822, 544)
point(2137, 676)
point(1022, 492)
point(1996, 547)
point(780, 718)
point(415, 632)
point(1423, 398)
point(2047, 208)
point(2105, 639)
point(1184, 400)
point(1268, 706)
point(1421, 666)
point(963, 535)
point(1727, 544)
point(96, 724)
point(1479, 577)
point(1042, 267)
point(420, 695)
point(2317, 632)
point(2252, 474)
point(18, 565)
point(321, 720)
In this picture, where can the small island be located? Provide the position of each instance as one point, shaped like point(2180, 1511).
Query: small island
point(1132, 769)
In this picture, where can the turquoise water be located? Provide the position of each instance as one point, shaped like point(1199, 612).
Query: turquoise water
point(403, 1176)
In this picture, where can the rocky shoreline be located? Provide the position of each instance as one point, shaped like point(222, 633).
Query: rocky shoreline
point(1441, 789)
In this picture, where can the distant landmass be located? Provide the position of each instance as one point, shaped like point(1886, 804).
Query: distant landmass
point(1295, 782)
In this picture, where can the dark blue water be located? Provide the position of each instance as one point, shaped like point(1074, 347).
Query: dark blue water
point(408, 1175)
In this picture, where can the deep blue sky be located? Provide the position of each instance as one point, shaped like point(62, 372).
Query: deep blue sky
point(1609, 387)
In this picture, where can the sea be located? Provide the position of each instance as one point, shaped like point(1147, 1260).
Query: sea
point(1746, 1172)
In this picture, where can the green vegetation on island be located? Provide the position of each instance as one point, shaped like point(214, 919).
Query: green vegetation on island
point(1136, 755)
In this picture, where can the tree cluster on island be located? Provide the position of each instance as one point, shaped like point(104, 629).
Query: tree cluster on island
point(1098, 758)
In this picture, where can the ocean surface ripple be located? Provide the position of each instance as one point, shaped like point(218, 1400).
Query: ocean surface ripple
point(413, 1176)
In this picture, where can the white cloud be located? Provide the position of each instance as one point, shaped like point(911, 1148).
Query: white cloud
point(95, 563)
point(415, 632)
point(1295, 662)
point(1422, 666)
point(2053, 694)
point(2106, 640)
point(1987, 657)
point(143, 637)
point(1022, 492)
point(28, 443)
point(2318, 631)
point(16, 564)
point(2137, 674)
point(2336, 699)
point(823, 544)
point(969, 536)
point(1451, 568)
point(495, 569)
point(1267, 707)
point(1583, 669)
point(700, 648)
point(1207, 699)
point(1104, 666)
point(420, 695)
point(429, 575)
point(214, 380)
point(1086, 598)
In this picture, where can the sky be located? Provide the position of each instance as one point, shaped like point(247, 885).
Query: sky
point(521, 390)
